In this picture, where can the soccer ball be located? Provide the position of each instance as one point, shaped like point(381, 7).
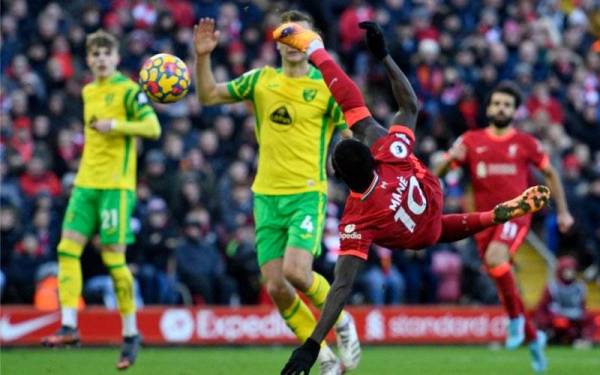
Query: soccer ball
point(165, 78)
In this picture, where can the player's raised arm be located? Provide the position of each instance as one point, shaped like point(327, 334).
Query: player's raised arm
point(408, 104)
point(344, 91)
point(208, 91)
point(304, 357)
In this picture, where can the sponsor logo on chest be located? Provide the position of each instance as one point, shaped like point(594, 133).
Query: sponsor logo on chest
point(483, 169)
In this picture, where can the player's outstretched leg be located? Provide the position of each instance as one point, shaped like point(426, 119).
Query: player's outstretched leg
point(531, 200)
point(344, 90)
point(536, 349)
point(458, 226)
point(295, 36)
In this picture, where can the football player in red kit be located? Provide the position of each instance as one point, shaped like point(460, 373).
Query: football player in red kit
point(395, 201)
point(498, 159)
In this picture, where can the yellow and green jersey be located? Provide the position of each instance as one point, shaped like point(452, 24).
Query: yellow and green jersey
point(295, 119)
point(109, 160)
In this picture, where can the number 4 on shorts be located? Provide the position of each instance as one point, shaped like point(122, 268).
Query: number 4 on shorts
point(307, 224)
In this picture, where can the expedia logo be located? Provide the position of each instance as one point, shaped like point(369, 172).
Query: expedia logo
point(281, 116)
point(349, 233)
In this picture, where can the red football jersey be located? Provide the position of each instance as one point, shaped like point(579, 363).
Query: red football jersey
point(403, 206)
point(499, 166)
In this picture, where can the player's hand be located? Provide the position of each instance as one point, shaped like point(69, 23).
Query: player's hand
point(374, 39)
point(565, 221)
point(103, 125)
point(302, 359)
point(458, 151)
point(206, 37)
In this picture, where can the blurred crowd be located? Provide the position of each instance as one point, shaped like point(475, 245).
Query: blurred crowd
point(193, 220)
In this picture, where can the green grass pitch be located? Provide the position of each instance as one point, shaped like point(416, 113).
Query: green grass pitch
point(405, 360)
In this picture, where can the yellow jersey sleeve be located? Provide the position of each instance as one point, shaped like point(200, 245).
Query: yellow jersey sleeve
point(242, 88)
point(137, 105)
point(140, 117)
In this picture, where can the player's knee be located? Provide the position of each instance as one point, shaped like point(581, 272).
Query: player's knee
point(297, 274)
point(496, 254)
point(277, 288)
point(69, 248)
point(114, 261)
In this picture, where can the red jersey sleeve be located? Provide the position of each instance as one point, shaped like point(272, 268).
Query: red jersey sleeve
point(535, 152)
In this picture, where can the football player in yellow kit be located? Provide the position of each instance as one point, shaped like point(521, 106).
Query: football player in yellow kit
point(295, 119)
point(116, 111)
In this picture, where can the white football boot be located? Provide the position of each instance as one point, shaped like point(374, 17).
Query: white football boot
point(347, 342)
point(329, 362)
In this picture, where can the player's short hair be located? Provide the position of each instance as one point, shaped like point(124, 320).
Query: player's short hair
point(354, 164)
point(297, 16)
point(100, 38)
point(509, 88)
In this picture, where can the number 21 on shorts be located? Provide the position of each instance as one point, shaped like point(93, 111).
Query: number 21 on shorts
point(110, 219)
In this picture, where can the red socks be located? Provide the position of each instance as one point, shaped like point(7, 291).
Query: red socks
point(507, 289)
point(458, 226)
point(344, 91)
point(530, 330)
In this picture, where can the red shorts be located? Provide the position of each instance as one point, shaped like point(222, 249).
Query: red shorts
point(512, 233)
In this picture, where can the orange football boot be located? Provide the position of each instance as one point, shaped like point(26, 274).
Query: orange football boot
point(532, 200)
point(295, 36)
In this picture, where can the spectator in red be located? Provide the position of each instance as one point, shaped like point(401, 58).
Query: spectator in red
point(62, 54)
point(561, 311)
point(350, 33)
point(22, 141)
point(38, 179)
point(421, 22)
point(542, 101)
point(182, 11)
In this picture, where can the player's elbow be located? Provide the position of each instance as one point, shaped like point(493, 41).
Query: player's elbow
point(408, 110)
point(549, 171)
point(156, 131)
point(412, 107)
point(203, 98)
point(156, 134)
point(209, 97)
